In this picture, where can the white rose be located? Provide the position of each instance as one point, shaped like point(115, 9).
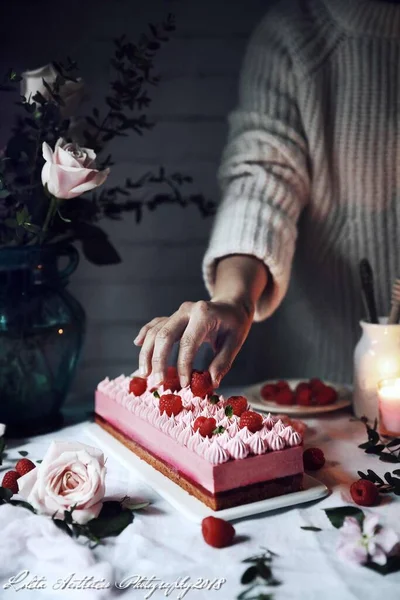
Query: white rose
point(71, 474)
point(72, 92)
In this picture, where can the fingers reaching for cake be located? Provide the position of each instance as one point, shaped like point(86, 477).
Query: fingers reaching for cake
point(224, 325)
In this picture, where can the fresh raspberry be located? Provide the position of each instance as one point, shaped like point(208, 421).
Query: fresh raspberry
point(238, 404)
point(315, 384)
point(303, 385)
point(205, 426)
point(10, 481)
point(325, 395)
point(171, 381)
point(171, 404)
point(285, 396)
point(198, 422)
point(24, 465)
point(364, 493)
point(137, 386)
point(252, 420)
point(201, 384)
point(313, 459)
point(217, 532)
point(304, 396)
point(268, 391)
point(282, 385)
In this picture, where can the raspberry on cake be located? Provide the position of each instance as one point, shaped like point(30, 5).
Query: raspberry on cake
point(201, 384)
point(137, 386)
point(171, 404)
point(205, 426)
point(171, 381)
point(238, 404)
point(252, 420)
point(221, 458)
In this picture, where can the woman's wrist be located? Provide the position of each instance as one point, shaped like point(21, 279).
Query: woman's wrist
point(243, 302)
point(240, 280)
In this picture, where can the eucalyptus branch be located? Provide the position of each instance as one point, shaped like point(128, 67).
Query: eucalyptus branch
point(387, 451)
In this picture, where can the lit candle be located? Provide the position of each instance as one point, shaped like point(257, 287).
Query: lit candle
point(389, 407)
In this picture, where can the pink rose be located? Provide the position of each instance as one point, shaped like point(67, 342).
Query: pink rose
point(70, 171)
point(70, 474)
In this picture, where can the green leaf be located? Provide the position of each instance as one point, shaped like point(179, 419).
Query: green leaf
point(338, 515)
point(96, 246)
point(395, 442)
point(392, 565)
point(311, 528)
point(373, 436)
point(22, 216)
point(374, 477)
point(218, 430)
point(39, 462)
point(389, 458)
point(23, 504)
point(249, 575)
point(5, 494)
point(375, 449)
point(108, 525)
point(23, 452)
point(31, 228)
point(63, 526)
point(229, 411)
point(365, 445)
point(68, 517)
point(264, 571)
point(39, 98)
point(156, 394)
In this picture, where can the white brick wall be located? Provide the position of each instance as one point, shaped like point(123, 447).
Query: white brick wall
point(162, 255)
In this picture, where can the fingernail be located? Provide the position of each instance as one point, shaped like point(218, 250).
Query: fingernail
point(184, 381)
point(135, 341)
point(142, 371)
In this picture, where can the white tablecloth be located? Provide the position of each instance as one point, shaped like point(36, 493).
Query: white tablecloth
point(162, 544)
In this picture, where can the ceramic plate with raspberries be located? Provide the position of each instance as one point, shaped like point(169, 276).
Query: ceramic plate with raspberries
point(298, 396)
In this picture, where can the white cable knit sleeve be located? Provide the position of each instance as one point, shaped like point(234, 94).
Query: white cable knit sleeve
point(264, 172)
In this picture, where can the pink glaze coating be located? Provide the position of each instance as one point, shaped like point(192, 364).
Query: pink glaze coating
point(229, 460)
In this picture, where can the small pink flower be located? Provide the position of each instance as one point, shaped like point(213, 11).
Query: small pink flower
point(70, 170)
point(71, 474)
point(371, 543)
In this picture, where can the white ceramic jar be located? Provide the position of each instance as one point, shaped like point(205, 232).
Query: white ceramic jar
point(376, 357)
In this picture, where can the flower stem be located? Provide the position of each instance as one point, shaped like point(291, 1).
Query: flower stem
point(50, 214)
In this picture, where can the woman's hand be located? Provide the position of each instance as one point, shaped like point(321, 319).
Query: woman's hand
point(223, 324)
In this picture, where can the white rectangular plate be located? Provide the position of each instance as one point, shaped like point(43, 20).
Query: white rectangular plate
point(188, 505)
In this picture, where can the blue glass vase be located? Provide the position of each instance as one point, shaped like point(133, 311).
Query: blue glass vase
point(41, 335)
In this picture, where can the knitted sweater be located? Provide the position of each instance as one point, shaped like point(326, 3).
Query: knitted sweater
point(311, 175)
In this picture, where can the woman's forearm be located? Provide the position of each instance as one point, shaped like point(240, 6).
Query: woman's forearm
point(241, 279)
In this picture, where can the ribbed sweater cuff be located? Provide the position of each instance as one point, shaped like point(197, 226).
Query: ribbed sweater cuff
point(242, 228)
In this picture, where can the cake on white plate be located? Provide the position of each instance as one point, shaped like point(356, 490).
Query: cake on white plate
point(216, 449)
